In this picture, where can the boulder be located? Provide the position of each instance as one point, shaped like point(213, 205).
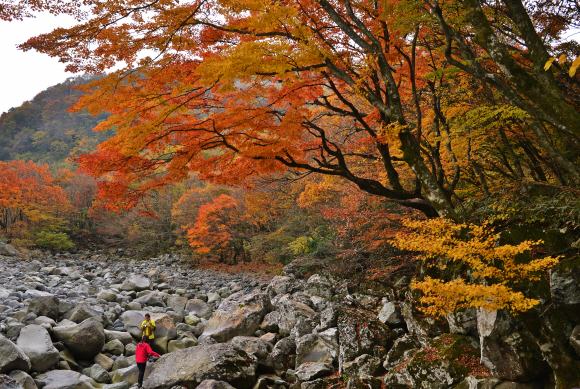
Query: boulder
point(8, 250)
point(256, 347)
point(104, 361)
point(6, 382)
point(136, 282)
point(364, 382)
point(198, 308)
point(280, 355)
point(23, 379)
point(291, 311)
point(575, 339)
point(281, 285)
point(319, 285)
point(65, 379)
point(322, 347)
point(390, 314)
point(12, 357)
point(84, 340)
point(123, 337)
point(99, 374)
point(150, 300)
point(118, 385)
point(359, 333)
point(213, 384)
point(238, 315)
point(472, 382)
point(328, 318)
point(565, 287)
point(190, 367)
point(180, 344)
point(508, 351)
point(312, 370)
point(44, 306)
point(421, 326)
point(66, 356)
point(107, 295)
point(363, 365)
point(463, 322)
point(270, 322)
point(130, 374)
point(178, 303)
point(35, 342)
point(164, 328)
point(403, 349)
point(82, 312)
point(445, 362)
point(115, 347)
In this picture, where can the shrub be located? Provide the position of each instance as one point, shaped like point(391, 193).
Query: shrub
point(54, 241)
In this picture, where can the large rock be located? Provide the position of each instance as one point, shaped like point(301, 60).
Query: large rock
point(35, 342)
point(12, 357)
point(178, 303)
point(7, 382)
point(318, 285)
point(509, 352)
point(84, 340)
point(359, 333)
point(150, 300)
point(282, 285)
point(421, 326)
point(322, 347)
point(565, 287)
point(190, 367)
point(136, 282)
point(312, 370)
point(253, 346)
point(44, 306)
point(280, 355)
point(164, 328)
point(124, 337)
point(23, 379)
point(463, 322)
point(180, 344)
point(238, 315)
point(390, 314)
point(291, 311)
point(445, 362)
point(8, 250)
point(199, 308)
point(472, 382)
point(82, 312)
point(363, 366)
point(213, 384)
point(403, 349)
point(65, 379)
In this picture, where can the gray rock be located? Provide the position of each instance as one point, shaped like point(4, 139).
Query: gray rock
point(7, 382)
point(12, 357)
point(281, 285)
point(82, 312)
point(23, 379)
point(213, 384)
point(150, 300)
point(192, 366)
point(328, 318)
point(290, 312)
point(473, 382)
point(280, 355)
point(319, 285)
point(107, 295)
point(123, 337)
point(402, 350)
point(390, 314)
point(136, 282)
point(313, 370)
point(65, 379)
point(198, 308)
point(178, 303)
point(8, 250)
point(575, 339)
point(363, 365)
point(565, 286)
point(99, 374)
point(359, 333)
point(84, 340)
point(115, 347)
point(508, 351)
point(238, 315)
point(130, 374)
point(463, 322)
point(321, 348)
point(35, 342)
point(104, 361)
point(120, 363)
point(130, 348)
point(44, 306)
point(421, 326)
point(270, 322)
point(179, 344)
point(119, 385)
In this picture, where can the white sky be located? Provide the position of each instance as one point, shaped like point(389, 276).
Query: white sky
point(25, 74)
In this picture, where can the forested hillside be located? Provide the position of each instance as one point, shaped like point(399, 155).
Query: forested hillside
point(44, 131)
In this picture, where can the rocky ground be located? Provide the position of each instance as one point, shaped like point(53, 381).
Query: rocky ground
point(73, 322)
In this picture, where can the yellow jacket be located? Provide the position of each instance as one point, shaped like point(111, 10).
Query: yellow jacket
point(148, 330)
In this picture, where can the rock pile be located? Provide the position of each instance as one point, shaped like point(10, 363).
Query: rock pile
point(74, 323)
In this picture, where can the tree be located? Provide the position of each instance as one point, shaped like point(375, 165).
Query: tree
point(221, 228)
point(29, 195)
point(500, 276)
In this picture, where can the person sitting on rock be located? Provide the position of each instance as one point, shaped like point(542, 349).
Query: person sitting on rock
point(141, 354)
point(148, 326)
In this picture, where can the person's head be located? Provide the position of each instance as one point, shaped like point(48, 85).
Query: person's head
point(145, 339)
point(147, 316)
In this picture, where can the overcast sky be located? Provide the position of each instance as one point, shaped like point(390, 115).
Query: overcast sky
point(25, 74)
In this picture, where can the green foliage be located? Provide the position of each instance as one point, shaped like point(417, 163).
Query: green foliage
point(54, 241)
point(42, 130)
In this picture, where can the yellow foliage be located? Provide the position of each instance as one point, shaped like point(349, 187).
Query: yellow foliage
point(494, 269)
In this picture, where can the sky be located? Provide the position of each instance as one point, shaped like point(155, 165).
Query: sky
point(25, 74)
